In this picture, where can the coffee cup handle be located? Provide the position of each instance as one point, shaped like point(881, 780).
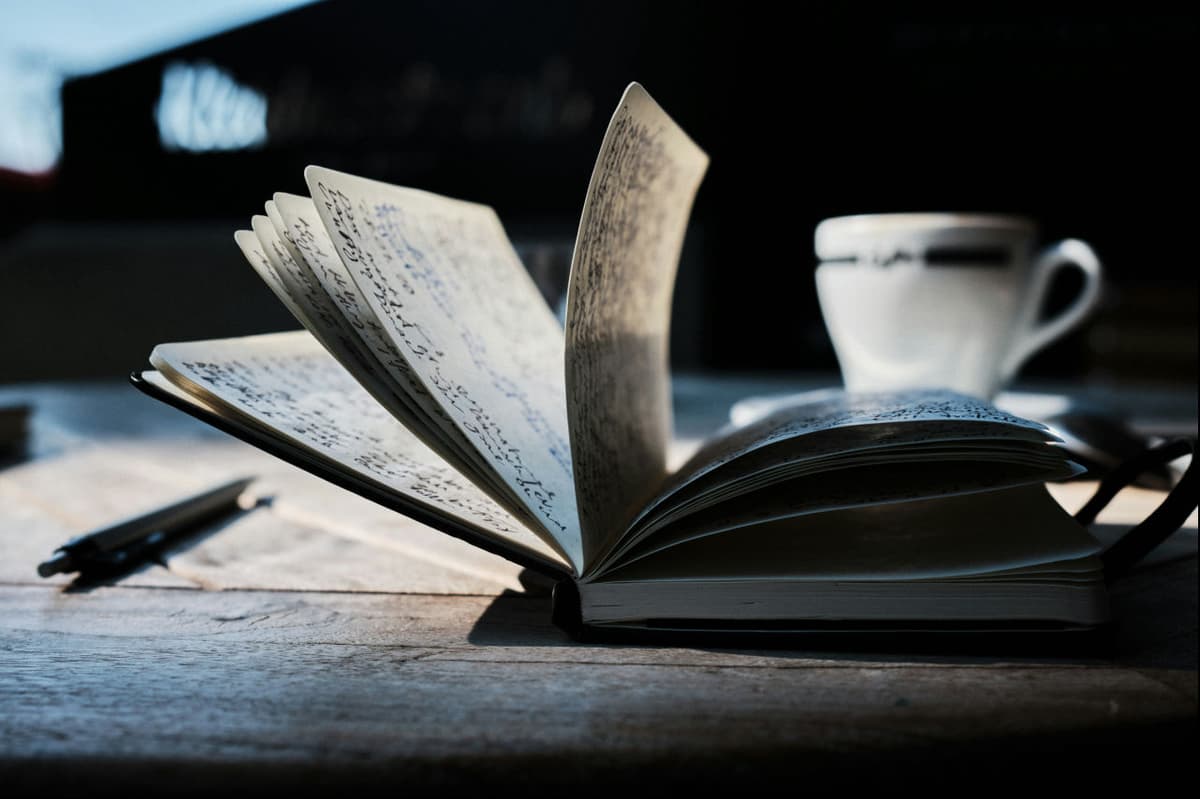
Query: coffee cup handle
point(1031, 335)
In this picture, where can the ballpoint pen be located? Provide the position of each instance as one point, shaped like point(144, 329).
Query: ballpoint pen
point(127, 542)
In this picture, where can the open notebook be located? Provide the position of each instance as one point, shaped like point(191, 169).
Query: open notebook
point(432, 377)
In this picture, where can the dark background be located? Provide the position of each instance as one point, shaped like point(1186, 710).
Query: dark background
point(1078, 122)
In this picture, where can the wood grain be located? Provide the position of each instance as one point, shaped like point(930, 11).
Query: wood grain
point(412, 685)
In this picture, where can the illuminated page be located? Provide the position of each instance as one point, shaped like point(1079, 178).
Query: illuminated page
point(319, 310)
point(302, 251)
point(835, 423)
point(304, 297)
point(253, 250)
point(618, 314)
point(847, 421)
point(267, 255)
point(296, 221)
point(445, 282)
point(287, 384)
point(908, 474)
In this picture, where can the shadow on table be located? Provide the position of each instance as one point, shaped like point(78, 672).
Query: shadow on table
point(1154, 625)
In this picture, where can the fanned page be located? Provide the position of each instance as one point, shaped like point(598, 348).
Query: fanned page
point(300, 292)
point(842, 451)
point(853, 420)
point(618, 313)
point(1009, 556)
point(443, 280)
point(1020, 530)
point(303, 296)
point(287, 385)
point(302, 235)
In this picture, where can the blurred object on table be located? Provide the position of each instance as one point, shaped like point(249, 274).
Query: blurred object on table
point(14, 431)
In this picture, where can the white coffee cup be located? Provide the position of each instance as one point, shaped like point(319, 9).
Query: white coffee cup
point(942, 300)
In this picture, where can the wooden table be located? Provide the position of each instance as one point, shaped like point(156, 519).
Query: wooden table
point(413, 677)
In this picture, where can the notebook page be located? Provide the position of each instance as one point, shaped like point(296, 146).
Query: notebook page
point(840, 421)
point(296, 221)
point(303, 296)
point(288, 384)
point(316, 268)
point(254, 253)
point(444, 280)
point(266, 254)
point(812, 435)
point(857, 482)
point(1016, 528)
point(618, 313)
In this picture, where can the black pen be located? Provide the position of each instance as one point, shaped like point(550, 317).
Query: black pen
point(126, 542)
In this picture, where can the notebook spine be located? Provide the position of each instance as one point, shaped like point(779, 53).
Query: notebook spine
point(566, 610)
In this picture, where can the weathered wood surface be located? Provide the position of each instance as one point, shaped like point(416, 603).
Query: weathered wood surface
point(210, 685)
point(159, 683)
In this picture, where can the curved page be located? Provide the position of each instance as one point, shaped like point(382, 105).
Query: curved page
point(445, 282)
point(966, 535)
point(838, 422)
point(267, 253)
point(907, 477)
point(619, 313)
point(288, 384)
point(322, 276)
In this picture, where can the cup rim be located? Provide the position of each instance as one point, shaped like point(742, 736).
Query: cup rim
point(890, 222)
